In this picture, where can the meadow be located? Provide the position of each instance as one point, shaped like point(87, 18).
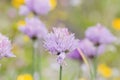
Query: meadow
point(59, 39)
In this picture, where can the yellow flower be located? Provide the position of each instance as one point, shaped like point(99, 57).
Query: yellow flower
point(26, 38)
point(17, 3)
point(25, 77)
point(21, 23)
point(104, 70)
point(53, 4)
point(116, 24)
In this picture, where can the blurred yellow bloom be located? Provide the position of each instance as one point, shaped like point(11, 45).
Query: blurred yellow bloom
point(17, 3)
point(21, 23)
point(53, 4)
point(25, 77)
point(104, 70)
point(26, 38)
point(116, 24)
point(82, 79)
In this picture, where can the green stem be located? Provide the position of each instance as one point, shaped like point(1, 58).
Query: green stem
point(39, 66)
point(36, 64)
point(91, 75)
point(95, 68)
point(95, 63)
point(33, 62)
point(60, 75)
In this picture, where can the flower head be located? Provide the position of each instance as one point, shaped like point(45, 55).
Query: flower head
point(25, 77)
point(39, 7)
point(116, 24)
point(88, 49)
point(59, 42)
point(34, 28)
point(53, 3)
point(99, 34)
point(105, 70)
point(17, 3)
point(5, 47)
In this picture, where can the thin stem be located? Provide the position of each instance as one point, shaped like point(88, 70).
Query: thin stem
point(33, 60)
point(95, 67)
point(60, 75)
point(39, 66)
point(91, 75)
point(36, 62)
point(95, 63)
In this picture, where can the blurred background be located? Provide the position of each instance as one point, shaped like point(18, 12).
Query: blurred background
point(77, 15)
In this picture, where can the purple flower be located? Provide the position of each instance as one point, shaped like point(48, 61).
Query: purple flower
point(40, 7)
point(5, 47)
point(88, 49)
point(59, 42)
point(99, 34)
point(34, 28)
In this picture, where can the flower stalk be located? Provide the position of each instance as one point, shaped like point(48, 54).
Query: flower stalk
point(95, 68)
point(60, 74)
point(36, 67)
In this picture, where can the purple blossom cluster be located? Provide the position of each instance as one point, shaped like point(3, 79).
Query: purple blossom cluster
point(95, 42)
point(60, 42)
point(98, 34)
point(34, 28)
point(5, 47)
point(40, 7)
